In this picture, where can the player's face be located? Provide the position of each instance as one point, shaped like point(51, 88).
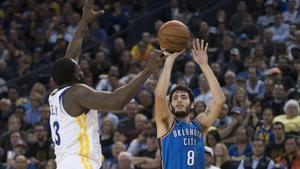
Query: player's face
point(181, 104)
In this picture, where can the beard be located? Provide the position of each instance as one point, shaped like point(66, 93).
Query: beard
point(181, 114)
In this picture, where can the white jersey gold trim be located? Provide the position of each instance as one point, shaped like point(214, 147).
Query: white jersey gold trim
point(77, 137)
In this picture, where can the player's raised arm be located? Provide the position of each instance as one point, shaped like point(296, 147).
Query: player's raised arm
point(89, 98)
point(88, 15)
point(215, 106)
point(163, 116)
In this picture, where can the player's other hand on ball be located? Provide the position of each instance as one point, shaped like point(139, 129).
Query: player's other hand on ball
point(156, 57)
point(200, 51)
point(174, 55)
point(89, 14)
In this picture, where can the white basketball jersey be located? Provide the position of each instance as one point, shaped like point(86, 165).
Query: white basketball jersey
point(74, 136)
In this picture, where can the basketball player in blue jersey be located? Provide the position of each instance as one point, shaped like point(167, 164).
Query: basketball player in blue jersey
point(74, 105)
point(181, 138)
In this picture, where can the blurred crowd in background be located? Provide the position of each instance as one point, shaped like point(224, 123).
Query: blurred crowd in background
point(254, 50)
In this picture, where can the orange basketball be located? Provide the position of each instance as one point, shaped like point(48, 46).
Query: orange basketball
point(173, 36)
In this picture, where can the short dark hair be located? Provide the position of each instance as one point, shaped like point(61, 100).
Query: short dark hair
point(278, 123)
point(291, 136)
point(182, 88)
point(258, 140)
point(215, 134)
point(63, 71)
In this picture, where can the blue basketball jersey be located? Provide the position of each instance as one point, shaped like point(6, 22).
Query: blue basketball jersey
point(183, 146)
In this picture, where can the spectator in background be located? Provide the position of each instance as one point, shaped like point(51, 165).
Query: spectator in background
point(295, 45)
point(240, 99)
point(142, 50)
point(223, 120)
point(152, 146)
point(254, 86)
point(5, 112)
point(107, 130)
point(258, 159)
point(199, 107)
point(124, 161)
point(291, 157)
point(145, 99)
point(280, 53)
point(223, 159)
point(190, 75)
point(103, 84)
point(221, 154)
point(203, 32)
point(277, 101)
point(264, 130)
point(21, 162)
point(235, 63)
point(244, 46)
point(112, 162)
point(216, 68)
point(237, 18)
point(119, 46)
point(33, 114)
point(209, 158)
point(249, 28)
point(127, 124)
point(230, 82)
point(268, 85)
point(291, 118)
point(242, 147)
point(15, 138)
point(268, 18)
point(39, 151)
point(140, 120)
point(227, 132)
point(212, 138)
point(268, 43)
point(276, 147)
point(291, 16)
point(14, 125)
point(280, 30)
point(205, 94)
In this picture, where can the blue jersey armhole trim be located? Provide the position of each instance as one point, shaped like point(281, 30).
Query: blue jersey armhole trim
point(63, 93)
point(61, 101)
point(198, 123)
point(172, 126)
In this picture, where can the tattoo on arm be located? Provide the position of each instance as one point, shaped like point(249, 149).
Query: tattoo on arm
point(207, 112)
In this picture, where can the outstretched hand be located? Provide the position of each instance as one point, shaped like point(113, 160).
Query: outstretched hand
point(89, 14)
point(200, 52)
point(154, 61)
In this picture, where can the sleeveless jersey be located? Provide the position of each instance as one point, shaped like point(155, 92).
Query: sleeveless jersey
point(183, 146)
point(76, 137)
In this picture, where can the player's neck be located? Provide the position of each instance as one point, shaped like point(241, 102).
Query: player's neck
point(185, 119)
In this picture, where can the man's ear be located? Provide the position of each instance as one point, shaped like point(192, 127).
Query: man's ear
point(169, 104)
point(77, 76)
point(192, 106)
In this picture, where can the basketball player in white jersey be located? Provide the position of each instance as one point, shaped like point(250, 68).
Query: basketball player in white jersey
point(73, 105)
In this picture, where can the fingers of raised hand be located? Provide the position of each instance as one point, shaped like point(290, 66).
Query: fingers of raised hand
point(199, 45)
point(88, 3)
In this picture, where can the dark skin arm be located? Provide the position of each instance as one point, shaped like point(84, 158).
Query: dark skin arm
point(80, 98)
point(74, 47)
